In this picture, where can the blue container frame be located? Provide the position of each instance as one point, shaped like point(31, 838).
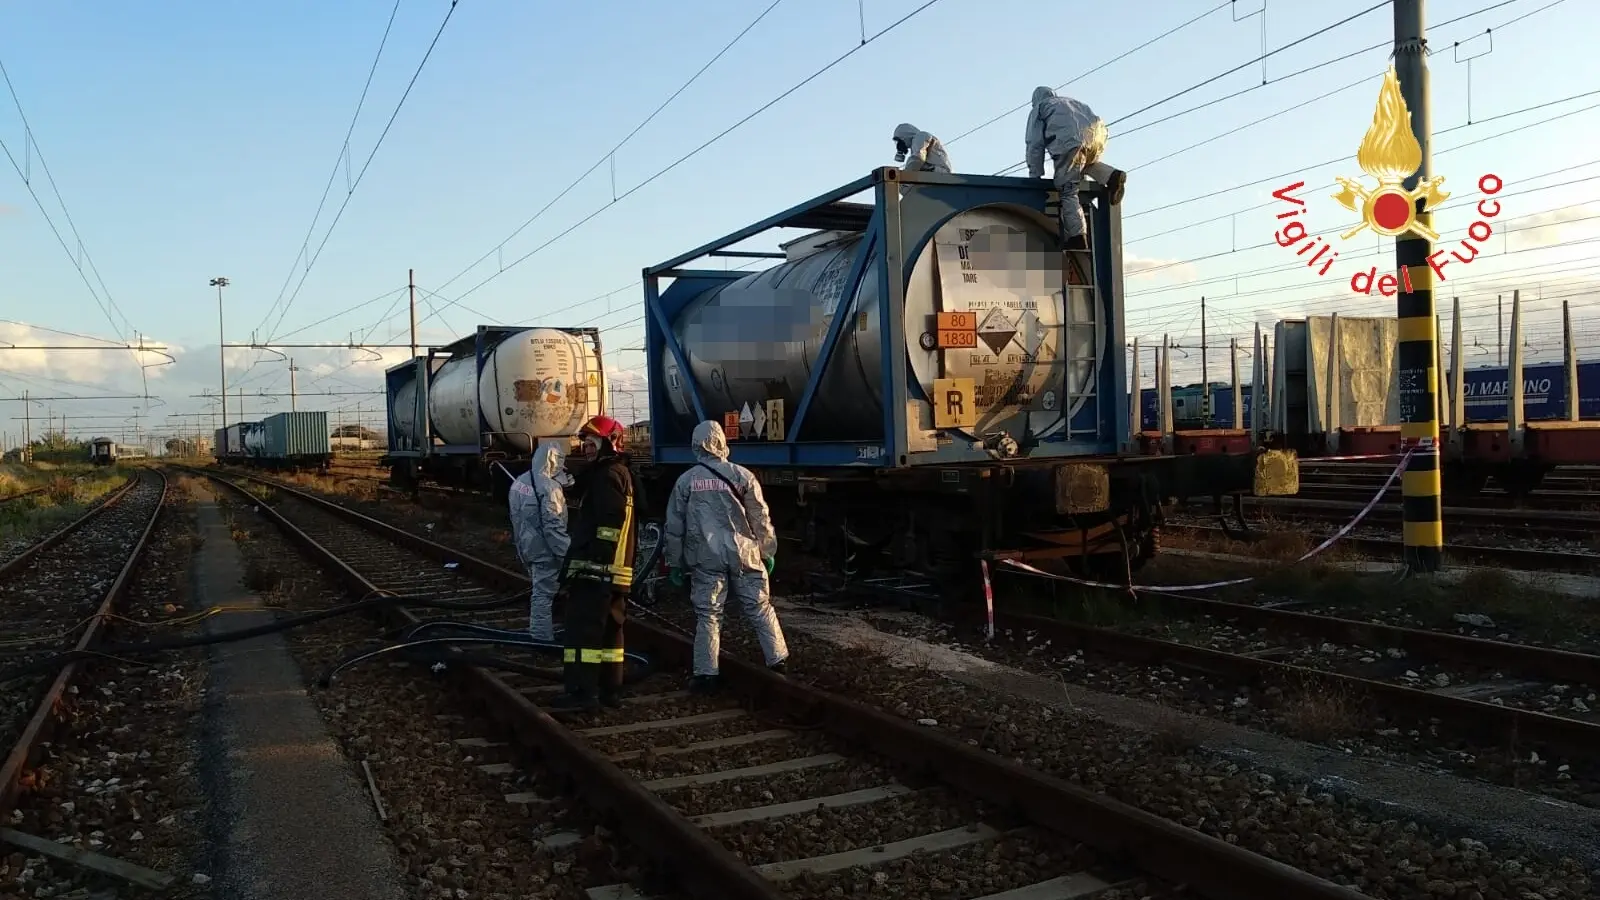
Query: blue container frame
point(424, 368)
point(884, 230)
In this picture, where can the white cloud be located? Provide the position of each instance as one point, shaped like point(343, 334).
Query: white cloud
point(96, 367)
point(1551, 228)
point(1164, 269)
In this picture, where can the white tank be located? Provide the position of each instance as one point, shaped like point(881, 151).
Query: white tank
point(404, 413)
point(535, 384)
point(758, 338)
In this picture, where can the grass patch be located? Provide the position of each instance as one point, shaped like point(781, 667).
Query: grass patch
point(1319, 710)
point(69, 492)
point(261, 579)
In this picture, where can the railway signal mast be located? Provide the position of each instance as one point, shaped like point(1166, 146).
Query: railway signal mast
point(1417, 355)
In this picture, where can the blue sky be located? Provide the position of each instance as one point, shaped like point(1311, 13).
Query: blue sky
point(192, 140)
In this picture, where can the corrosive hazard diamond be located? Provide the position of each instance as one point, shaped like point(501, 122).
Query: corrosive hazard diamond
point(1031, 332)
point(746, 419)
point(996, 330)
point(760, 429)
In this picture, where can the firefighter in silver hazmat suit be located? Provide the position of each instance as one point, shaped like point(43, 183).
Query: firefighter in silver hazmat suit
point(920, 150)
point(719, 529)
point(1075, 138)
point(539, 526)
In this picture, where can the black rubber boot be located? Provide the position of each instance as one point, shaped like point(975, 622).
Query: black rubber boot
point(1078, 243)
point(611, 685)
point(705, 684)
point(781, 667)
point(1115, 185)
point(580, 696)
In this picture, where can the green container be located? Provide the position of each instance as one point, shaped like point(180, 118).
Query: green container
point(296, 434)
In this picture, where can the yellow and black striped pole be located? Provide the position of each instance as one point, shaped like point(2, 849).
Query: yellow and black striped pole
point(1417, 354)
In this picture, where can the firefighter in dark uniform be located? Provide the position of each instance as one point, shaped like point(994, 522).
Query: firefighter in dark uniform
point(598, 572)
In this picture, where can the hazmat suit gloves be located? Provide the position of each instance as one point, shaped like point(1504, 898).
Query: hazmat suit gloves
point(675, 577)
point(771, 562)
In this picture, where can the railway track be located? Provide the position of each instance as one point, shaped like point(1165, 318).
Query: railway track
point(56, 596)
point(1522, 558)
point(31, 492)
point(1487, 691)
point(691, 780)
point(1545, 524)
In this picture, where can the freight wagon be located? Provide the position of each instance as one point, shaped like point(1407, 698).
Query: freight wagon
point(465, 410)
point(924, 380)
point(287, 440)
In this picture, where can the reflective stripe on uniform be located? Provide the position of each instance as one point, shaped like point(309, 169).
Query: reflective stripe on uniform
point(611, 655)
point(621, 561)
point(619, 572)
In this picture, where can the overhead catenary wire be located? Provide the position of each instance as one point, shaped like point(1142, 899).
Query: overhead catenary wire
point(928, 4)
point(1115, 59)
point(1382, 44)
point(31, 148)
point(310, 263)
point(611, 154)
point(344, 153)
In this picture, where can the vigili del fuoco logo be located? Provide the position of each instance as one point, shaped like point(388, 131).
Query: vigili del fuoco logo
point(1390, 154)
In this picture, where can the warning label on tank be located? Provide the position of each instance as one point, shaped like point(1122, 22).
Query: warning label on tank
point(1008, 281)
point(996, 330)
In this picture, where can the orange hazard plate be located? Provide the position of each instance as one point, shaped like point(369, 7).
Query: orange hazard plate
point(958, 321)
point(957, 340)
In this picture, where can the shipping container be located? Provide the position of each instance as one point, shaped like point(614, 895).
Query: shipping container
point(1544, 392)
point(296, 434)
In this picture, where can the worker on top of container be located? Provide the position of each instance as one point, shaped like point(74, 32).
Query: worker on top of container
point(539, 527)
point(598, 573)
point(919, 150)
point(1075, 138)
point(718, 527)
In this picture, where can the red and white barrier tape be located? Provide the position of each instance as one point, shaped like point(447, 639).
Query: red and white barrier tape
point(1024, 567)
point(1358, 458)
point(988, 601)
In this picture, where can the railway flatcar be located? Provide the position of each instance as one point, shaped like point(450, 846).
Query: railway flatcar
point(106, 452)
point(490, 398)
point(926, 380)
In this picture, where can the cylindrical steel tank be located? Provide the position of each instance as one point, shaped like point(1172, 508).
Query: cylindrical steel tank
point(758, 338)
point(538, 383)
point(403, 411)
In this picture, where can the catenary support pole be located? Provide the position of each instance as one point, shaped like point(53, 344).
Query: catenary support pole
point(1415, 355)
point(411, 288)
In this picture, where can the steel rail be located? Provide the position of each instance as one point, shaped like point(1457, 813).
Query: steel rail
point(46, 718)
point(1545, 663)
point(1473, 716)
point(1525, 559)
point(17, 562)
point(700, 863)
point(1160, 847)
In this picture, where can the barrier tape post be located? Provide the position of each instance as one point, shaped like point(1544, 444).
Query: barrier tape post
point(988, 602)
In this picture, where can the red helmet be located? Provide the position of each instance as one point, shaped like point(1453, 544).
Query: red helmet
point(606, 428)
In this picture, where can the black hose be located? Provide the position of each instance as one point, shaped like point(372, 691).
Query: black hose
point(361, 656)
point(149, 647)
